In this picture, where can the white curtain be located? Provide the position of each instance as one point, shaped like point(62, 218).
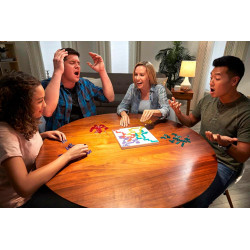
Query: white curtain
point(238, 49)
point(104, 50)
point(134, 55)
point(36, 60)
point(203, 62)
point(68, 44)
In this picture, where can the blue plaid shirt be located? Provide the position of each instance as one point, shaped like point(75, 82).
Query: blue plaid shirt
point(158, 100)
point(87, 93)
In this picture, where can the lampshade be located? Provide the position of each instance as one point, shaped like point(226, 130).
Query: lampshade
point(187, 68)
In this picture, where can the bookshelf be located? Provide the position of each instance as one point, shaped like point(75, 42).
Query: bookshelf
point(8, 59)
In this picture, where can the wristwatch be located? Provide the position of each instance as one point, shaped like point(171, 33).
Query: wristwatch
point(225, 148)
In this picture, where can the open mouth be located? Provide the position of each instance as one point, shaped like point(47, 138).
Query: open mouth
point(212, 90)
point(76, 73)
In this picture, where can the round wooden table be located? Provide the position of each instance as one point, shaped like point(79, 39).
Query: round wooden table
point(160, 175)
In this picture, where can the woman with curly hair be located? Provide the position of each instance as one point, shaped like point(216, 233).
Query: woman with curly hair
point(21, 107)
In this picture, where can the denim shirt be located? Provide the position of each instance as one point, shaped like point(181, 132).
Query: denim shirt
point(87, 92)
point(158, 100)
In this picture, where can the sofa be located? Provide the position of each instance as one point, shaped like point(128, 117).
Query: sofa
point(121, 82)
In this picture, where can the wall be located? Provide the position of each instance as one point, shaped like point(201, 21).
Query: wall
point(84, 48)
point(22, 57)
point(244, 85)
point(150, 49)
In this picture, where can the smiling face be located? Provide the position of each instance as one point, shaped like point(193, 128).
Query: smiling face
point(221, 83)
point(38, 102)
point(72, 69)
point(141, 78)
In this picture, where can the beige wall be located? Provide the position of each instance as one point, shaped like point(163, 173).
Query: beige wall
point(150, 49)
point(244, 85)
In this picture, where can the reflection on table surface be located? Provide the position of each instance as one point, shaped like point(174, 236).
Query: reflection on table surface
point(159, 175)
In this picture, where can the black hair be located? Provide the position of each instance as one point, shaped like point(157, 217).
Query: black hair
point(71, 52)
point(234, 64)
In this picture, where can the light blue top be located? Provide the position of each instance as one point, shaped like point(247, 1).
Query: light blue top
point(157, 97)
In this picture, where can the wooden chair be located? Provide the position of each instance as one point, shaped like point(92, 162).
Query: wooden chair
point(227, 192)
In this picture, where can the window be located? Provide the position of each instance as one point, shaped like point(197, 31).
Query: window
point(48, 50)
point(218, 51)
point(119, 56)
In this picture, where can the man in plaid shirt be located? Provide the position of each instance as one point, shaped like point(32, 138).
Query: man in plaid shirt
point(69, 97)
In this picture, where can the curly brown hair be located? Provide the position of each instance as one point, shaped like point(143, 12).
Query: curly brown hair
point(16, 92)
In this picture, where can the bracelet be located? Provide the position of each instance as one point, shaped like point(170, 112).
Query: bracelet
point(225, 147)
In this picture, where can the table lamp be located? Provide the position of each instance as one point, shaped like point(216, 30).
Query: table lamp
point(187, 70)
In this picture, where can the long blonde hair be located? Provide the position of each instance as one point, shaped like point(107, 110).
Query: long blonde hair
point(149, 69)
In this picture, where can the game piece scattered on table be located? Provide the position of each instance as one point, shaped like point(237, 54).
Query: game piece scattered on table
point(71, 146)
point(147, 122)
point(98, 128)
point(134, 137)
point(176, 139)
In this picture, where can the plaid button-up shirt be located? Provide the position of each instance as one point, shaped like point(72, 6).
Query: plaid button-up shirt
point(87, 93)
point(158, 100)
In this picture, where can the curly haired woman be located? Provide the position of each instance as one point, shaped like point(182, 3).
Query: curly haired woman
point(21, 107)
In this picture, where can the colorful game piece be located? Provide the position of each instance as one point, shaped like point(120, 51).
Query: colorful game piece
point(177, 139)
point(98, 128)
point(134, 137)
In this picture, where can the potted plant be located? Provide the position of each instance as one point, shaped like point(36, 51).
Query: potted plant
point(170, 64)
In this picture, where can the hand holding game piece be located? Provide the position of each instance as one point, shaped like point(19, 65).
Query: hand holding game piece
point(79, 150)
point(147, 114)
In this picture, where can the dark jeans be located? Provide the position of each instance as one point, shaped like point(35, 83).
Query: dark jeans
point(45, 198)
point(224, 177)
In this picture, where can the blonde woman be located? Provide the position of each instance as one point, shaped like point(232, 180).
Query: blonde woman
point(144, 96)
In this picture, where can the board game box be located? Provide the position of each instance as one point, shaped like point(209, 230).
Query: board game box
point(134, 137)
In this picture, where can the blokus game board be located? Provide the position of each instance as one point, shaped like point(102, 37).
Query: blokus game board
point(134, 137)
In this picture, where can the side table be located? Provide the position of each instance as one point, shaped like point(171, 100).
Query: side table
point(183, 95)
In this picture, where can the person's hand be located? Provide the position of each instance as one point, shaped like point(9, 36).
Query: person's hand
point(124, 122)
point(146, 115)
point(58, 60)
point(55, 135)
point(98, 65)
point(220, 139)
point(78, 151)
point(175, 105)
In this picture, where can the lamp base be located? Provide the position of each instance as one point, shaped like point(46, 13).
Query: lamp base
point(185, 85)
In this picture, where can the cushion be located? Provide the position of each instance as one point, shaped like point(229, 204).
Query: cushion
point(162, 81)
point(96, 81)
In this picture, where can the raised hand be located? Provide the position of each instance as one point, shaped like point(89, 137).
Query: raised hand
point(147, 114)
point(58, 60)
point(98, 65)
point(220, 139)
point(175, 105)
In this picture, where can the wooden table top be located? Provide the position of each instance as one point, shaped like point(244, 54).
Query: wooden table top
point(159, 175)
